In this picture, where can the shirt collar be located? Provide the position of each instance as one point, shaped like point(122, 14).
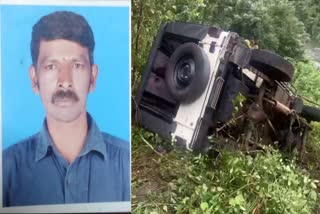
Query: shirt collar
point(94, 140)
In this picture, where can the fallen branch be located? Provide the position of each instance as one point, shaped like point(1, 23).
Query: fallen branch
point(228, 123)
point(144, 140)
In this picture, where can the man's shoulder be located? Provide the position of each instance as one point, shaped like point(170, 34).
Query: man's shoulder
point(19, 155)
point(21, 147)
point(115, 142)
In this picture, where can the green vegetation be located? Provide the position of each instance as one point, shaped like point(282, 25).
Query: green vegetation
point(232, 182)
point(307, 80)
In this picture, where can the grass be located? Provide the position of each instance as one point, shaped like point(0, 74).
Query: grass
point(178, 181)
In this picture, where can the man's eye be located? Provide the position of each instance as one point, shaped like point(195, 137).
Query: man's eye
point(78, 66)
point(50, 67)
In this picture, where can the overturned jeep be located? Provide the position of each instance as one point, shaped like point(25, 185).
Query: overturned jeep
point(193, 74)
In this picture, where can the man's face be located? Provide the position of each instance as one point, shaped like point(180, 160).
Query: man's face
point(63, 77)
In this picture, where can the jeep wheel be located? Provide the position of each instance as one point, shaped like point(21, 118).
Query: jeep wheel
point(188, 72)
point(311, 113)
point(272, 65)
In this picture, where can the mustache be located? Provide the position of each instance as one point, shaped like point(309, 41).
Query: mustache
point(61, 94)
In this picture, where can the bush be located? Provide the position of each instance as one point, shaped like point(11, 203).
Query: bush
point(231, 183)
point(307, 80)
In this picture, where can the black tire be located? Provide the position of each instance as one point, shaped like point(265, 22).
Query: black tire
point(188, 72)
point(272, 65)
point(311, 113)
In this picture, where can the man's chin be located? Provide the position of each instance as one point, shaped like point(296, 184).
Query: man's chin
point(66, 115)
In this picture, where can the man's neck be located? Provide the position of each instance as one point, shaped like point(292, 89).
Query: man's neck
point(68, 138)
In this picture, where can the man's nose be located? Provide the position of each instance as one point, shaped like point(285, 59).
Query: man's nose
point(65, 77)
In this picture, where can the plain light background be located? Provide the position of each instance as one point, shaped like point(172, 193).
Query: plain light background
point(22, 110)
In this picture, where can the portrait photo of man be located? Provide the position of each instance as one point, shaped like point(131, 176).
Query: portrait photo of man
point(69, 159)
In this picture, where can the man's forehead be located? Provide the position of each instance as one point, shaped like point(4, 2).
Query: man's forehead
point(61, 49)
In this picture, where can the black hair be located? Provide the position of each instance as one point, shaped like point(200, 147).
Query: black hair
point(62, 25)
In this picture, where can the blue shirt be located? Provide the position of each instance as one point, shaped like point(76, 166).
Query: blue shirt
point(35, 173)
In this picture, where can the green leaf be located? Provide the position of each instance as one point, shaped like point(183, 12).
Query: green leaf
point(238, 200)
point(204, 187)
point(204, 206)
point(165, 208)
point(313, 195)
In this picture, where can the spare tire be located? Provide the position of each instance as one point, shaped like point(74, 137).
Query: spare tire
point(272, 65)
point(188, 72)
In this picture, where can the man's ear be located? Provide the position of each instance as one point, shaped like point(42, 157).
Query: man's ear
point(93, 77)
point(34, 79)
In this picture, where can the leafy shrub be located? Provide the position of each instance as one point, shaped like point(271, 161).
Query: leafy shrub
point(231, 183)
point(307, 80)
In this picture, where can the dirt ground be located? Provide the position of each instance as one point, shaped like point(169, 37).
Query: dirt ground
point(146, 175)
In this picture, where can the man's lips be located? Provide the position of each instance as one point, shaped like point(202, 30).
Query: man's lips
point(64, 102)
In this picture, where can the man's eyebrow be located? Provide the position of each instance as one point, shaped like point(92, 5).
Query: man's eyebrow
point(80, 58)
point(49, 59)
